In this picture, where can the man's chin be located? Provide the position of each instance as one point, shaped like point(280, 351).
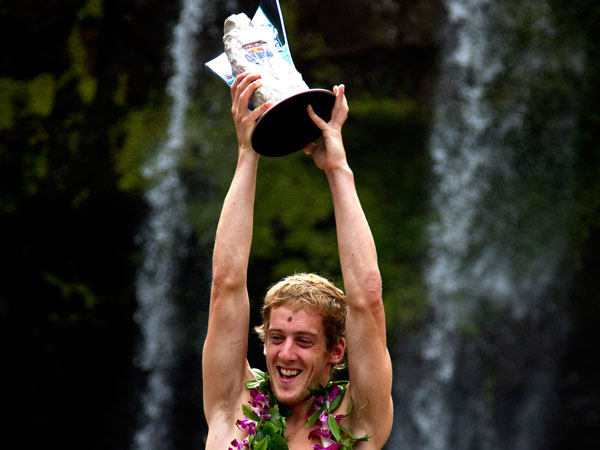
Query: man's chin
point(292, 397)
point(292, 400)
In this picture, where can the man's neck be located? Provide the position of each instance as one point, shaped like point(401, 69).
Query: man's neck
point(298, 414)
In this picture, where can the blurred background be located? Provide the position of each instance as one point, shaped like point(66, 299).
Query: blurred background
point(474, 135)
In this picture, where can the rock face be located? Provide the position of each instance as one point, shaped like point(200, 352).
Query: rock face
point(252, 49)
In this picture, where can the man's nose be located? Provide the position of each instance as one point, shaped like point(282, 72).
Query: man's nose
point(288, 352)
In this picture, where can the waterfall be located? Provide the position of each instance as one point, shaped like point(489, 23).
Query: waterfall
point(163, 237)
point(483, 374)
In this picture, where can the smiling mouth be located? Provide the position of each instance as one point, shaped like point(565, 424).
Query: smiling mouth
point(288, 373)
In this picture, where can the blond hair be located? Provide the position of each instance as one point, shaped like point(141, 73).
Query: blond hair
point(308, 290)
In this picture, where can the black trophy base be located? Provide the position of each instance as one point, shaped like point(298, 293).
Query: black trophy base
point(286, 127)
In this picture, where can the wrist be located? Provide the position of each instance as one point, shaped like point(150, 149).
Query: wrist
point(339, 170)
point(246, 151)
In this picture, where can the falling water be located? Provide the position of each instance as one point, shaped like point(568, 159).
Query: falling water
point(501, 152)
point(163, 236)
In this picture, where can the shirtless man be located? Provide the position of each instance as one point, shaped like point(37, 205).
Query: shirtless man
point(299, 354)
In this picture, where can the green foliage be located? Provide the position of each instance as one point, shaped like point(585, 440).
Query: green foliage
point(86, 83)
point(73, 289)
point(120, 95)
point(141, 131)
point(293, 214)
point(66, 300)
point(9, 95)
point(209, 159)
point(22, 99)
point(385, 139)
point(92, 9)
point(41, 94)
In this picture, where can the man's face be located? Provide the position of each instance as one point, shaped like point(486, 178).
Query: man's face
point(296, 353)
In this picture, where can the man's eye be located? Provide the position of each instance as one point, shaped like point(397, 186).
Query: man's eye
point(276, 338)
point(304, 342)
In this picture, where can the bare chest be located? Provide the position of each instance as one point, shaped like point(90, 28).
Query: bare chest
point(298, 438)
point(221, 437)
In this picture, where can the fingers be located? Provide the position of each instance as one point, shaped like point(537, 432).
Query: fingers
point(340, 107)
point(235, 84)
point(339, 113)
point(315, 118)
point(242, 89)
point(259, 111)
point(312, 146)
point(339, 90)
point(241, 82)
point(234, 89)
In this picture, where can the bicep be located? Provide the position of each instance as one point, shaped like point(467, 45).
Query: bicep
point(369, 363)
point(224, 365)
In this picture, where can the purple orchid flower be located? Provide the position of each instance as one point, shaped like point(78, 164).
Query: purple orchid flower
point(243, 445)
point(247, 425)
point(334, 446)
point(259, 399)
point(335, 390)
point(260, 404)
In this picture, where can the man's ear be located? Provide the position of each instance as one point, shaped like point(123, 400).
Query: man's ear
point(265, 349)
point(337, 352)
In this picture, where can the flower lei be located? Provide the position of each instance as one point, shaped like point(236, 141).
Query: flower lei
point(265, 422)
point(325, 424)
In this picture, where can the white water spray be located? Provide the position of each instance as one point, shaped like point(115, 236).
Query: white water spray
point(163, 240)
point(502, 200)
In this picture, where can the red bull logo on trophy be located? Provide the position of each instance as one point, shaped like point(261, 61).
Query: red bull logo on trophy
point(257, 52)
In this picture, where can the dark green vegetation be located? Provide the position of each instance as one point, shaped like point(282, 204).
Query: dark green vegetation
point(82, 104)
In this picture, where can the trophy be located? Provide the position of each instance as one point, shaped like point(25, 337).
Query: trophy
point(286, 126)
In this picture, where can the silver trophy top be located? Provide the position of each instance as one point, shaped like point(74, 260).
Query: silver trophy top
point(251, 49)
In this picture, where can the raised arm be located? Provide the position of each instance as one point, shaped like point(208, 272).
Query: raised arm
point(224, 365)
point(369, 362)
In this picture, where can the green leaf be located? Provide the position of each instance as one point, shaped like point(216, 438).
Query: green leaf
point(275, 416)
point(261, 378)
point(348, 433)
point(312, 419)
point(352, 436)
point(364, 405)
point(260, 375)
point(318, 391)
point(279, 442)
point(275, 435)
point(249, 413)
point(263, 444)
point(270, 428)
point(252, 384)
point(337, 400)
point(334, 427)
point(350, 407)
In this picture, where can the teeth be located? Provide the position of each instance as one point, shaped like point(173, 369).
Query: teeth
point(289, 372)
